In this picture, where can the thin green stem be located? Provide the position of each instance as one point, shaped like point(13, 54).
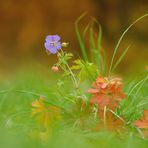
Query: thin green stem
point(73, 76)
point(70, 71)
point(66, 72)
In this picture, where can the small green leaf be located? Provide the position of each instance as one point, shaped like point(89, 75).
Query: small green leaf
point(86, 70)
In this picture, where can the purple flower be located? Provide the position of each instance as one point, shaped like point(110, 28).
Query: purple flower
point(52, 43)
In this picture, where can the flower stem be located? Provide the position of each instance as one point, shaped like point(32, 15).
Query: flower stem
point(73, 76)
point(70, 71)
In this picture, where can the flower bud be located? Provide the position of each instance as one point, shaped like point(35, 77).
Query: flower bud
point(55, 69)
point(64, 44)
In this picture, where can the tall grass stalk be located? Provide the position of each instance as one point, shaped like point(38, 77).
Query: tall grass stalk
point(119, 42)
point(80, 40)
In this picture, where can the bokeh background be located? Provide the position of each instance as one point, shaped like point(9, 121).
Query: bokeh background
point(25, 23)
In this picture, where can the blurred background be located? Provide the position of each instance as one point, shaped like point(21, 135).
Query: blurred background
point(25, 23)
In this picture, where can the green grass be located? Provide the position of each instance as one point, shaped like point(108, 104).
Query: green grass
point(16, 123)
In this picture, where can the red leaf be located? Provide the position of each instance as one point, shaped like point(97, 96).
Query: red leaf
point(143, 122)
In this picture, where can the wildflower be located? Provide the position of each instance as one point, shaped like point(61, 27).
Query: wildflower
point(143, 122)
point(52, 43)
point(54, 68)
point(107, 92)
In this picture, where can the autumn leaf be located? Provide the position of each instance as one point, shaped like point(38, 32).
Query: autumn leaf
point(44, 114)
point(38, 106)
point(143, 122)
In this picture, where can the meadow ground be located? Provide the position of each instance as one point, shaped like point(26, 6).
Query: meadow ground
point(80, 103)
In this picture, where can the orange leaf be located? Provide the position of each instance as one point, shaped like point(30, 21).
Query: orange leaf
point(107, 92)
point(44, 114)
point(143, 122)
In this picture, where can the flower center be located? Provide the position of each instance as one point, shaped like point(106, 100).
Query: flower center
point(53, 43)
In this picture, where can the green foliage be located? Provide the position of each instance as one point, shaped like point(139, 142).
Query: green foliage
point(95, 42)
point(15, 118)
point(80, 40)
point(96, 48)
point(63, 58)
point(137, 101)
point(86, 70)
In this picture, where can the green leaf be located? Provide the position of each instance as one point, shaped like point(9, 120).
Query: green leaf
point(89, 71)
point(85, 30)
point(64, 57)
point(78, 65)
point(86, 70)
point(95, 45)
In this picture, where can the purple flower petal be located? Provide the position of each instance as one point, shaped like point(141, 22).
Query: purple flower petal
point(47, 45)
point(56, 37)
point(59, 45)
point(48, 38)
point(52, 43)
point(53, 50)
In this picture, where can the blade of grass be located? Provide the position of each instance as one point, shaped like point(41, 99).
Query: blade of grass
point(120, 39)
point(120, 58)
point(92, 43)
point(99, 41)
point(4, 91)
point(85, 30)
point(80, 40)
point(138, 83)
point(28, 92)
point(96, 50)
point(117, 115)
point(141, 85)
point(99, 59)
